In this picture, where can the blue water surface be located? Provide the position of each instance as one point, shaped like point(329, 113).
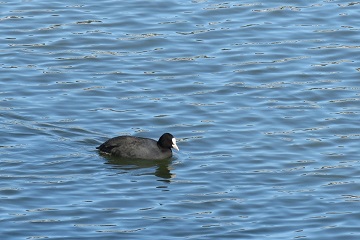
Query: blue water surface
point(263, 98)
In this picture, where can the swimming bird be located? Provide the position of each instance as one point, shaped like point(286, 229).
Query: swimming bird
point(129, 147)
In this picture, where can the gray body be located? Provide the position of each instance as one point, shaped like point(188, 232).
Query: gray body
point(135, 148)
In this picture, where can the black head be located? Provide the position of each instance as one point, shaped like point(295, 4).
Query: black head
point(168, 141)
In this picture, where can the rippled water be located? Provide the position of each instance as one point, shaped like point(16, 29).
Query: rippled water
point(262, 96)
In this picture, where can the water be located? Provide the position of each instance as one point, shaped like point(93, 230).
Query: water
point(263, 98)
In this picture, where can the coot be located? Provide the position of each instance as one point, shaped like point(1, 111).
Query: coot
point(140, 148)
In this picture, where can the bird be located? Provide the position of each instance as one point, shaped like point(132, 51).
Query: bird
point(130, 147)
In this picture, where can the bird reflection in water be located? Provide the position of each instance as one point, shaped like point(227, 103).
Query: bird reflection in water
point(160, 168)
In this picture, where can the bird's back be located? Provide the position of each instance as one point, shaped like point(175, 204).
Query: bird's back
point(134, 148)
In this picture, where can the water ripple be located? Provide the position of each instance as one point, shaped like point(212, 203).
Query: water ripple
point(264, 107)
